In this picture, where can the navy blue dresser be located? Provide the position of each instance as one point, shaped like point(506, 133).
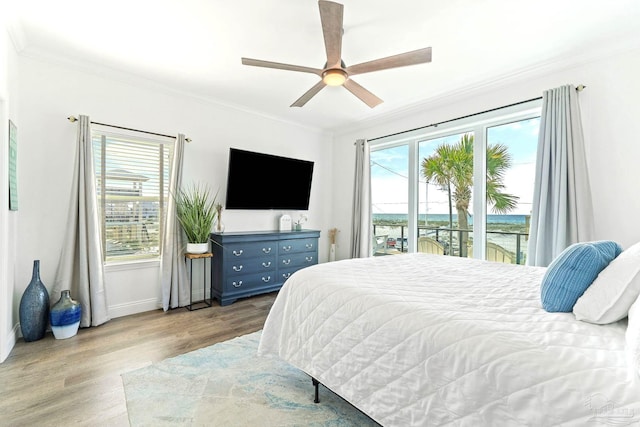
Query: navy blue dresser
point(257, 262)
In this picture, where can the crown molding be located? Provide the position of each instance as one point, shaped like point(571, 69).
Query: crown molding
point(15, 31)
point(483, 86)
point(138, 81)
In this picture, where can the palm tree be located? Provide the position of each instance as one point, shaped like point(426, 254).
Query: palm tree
point(451, 168)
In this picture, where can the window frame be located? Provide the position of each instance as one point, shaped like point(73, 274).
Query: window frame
point(165, 148)
point(478, 124)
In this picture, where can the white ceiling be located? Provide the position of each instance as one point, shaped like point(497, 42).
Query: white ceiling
point(195, 46)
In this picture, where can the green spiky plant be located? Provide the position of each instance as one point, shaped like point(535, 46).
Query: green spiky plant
point(196, 211)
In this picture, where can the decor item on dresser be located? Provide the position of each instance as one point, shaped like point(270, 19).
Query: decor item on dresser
point(34, 307)
point(218, 225)
point(65, 316)
point(285, 222)
point(252, 263)
point(298, 224)
point(332, 248)
point(196, 212)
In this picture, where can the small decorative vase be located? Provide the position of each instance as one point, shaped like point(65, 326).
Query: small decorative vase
point(298, 227)
point(218, 226)
point(65, 316)
point(197, 248)
point(34, 307)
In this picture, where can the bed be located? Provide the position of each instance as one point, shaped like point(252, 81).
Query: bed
point(421, 339)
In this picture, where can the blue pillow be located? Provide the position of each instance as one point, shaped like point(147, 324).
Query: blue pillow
point(571, 273)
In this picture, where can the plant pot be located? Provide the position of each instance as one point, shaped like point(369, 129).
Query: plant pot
point(197, 248)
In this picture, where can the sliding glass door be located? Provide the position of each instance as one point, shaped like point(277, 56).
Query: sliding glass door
point(445, 199)
point(511, 158)
point(459, 190)
point(390, 199)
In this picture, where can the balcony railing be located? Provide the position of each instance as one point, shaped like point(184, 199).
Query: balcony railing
point(514, 242)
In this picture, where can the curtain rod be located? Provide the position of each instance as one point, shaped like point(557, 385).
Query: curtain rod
point(74, 119)
point(579, 88)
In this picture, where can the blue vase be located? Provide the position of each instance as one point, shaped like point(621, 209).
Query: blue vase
point(65, 316)
point(34, 307)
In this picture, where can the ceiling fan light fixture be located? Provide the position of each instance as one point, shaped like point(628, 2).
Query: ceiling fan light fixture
point(334, 77)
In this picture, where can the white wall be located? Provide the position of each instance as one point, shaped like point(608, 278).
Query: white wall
point(609, 112)
point(8, 219)
point(51, 92)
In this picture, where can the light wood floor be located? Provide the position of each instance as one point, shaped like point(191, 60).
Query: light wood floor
point(77, 381)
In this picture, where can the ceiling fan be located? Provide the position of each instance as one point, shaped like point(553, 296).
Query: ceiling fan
point(335, 73)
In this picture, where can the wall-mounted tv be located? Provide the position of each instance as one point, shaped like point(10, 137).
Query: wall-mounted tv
point(265, 181)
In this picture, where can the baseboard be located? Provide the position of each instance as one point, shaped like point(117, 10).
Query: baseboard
point(141, 306)
point(134, 307)
point(12, 338)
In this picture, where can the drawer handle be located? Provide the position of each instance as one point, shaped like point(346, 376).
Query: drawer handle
point(237, 284)
point(236, 268)
point(266, 264)
point(286, 261)
point(309, 258)
point(266, 250)
point(266, 279)
point(238, 253)
point(309, 245)
point(286, 248)
point(286, 276)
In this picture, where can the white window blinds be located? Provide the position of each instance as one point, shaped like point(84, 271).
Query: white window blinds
point(132, 181)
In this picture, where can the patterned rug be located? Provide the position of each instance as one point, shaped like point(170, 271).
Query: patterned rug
point(227, 384)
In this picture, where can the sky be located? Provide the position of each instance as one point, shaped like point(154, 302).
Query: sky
point(389, 170)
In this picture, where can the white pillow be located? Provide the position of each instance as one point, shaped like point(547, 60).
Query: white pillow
point(632, 337)
point(612, 293)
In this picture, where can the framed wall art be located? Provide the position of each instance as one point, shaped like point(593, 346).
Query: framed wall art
point(13, 166)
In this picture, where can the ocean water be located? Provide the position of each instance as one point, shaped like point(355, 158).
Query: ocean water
point(491, 218)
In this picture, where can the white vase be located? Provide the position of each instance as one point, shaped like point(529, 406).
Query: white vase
point(332, 252)
point(197, 248)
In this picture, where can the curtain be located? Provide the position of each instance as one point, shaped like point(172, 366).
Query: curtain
point(361, 222)
point(562, 211)
point(174, 281)
point(81, 268)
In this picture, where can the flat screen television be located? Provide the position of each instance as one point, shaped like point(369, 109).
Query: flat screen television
point(265, 181)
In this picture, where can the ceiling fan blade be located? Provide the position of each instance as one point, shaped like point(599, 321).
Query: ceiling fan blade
point(309, 94)
point(331, 15)
point(280, 66)
point(414, 57)
point(365, 96)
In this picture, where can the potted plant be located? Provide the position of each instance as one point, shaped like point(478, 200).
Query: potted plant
point(195, 208)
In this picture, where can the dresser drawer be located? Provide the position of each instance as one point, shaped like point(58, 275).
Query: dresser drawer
point(242, 265)
point(247, 282)
point(285, 273)
point(303, 259)
point(249, 250)
point(297, 245)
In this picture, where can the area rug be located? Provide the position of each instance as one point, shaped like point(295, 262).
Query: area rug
point(227, 384)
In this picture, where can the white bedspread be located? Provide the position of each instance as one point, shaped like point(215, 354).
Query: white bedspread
point(418, 339)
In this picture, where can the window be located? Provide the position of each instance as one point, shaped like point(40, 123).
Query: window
point(462, 189)
point(132, 181)
point(389, 169)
